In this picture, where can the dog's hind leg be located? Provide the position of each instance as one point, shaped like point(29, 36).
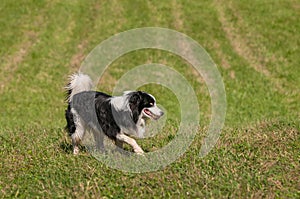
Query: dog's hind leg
point(75, 143)
point(124, 138)
point(79, 132)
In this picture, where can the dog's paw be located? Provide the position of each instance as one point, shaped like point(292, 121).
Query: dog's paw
point(141, 154)
point(139, 151)
point(76, 150)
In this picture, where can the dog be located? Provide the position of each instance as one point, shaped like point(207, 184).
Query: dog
point(117, 117)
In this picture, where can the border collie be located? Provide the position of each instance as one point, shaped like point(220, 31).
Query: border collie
point(117, 117)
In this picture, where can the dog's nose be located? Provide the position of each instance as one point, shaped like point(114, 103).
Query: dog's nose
point(161, 113)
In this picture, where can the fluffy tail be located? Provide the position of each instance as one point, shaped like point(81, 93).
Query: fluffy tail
point(78, 83)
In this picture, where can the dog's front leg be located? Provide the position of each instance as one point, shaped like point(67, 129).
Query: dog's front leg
point(136, 148)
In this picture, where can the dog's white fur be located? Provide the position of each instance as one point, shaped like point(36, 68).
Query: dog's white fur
point(80, 83)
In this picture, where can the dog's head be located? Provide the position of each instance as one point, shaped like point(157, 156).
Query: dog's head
point(143, 104)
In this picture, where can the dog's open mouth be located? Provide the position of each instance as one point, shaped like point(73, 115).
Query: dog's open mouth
point(150, 114)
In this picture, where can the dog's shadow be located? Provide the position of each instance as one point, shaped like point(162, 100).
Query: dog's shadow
point(68, 148)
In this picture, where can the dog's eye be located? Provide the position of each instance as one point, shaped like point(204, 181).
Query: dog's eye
point(151, 104)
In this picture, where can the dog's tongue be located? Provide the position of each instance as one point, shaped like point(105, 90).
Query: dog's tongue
point(147, 111)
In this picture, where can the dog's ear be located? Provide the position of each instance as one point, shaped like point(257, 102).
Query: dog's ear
point(134, 102)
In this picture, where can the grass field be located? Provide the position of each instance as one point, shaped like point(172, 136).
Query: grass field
point(255, 46)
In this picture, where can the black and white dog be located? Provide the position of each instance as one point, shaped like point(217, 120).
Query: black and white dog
point(118, 117)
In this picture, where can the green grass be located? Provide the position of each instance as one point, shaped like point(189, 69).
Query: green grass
point(256, 48)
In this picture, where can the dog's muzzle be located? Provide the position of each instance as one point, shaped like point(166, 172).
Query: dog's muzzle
point(153, 112)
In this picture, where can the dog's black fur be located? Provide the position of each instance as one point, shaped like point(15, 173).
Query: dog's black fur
point(116, 117)
point(137, 102)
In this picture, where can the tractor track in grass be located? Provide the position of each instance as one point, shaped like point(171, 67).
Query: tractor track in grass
point(239, 42)
point(253, 53)
point(257, 155)
point(11, 62)
point(178, 15)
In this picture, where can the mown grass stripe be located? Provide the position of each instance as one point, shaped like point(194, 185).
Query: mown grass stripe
point(257, 154)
